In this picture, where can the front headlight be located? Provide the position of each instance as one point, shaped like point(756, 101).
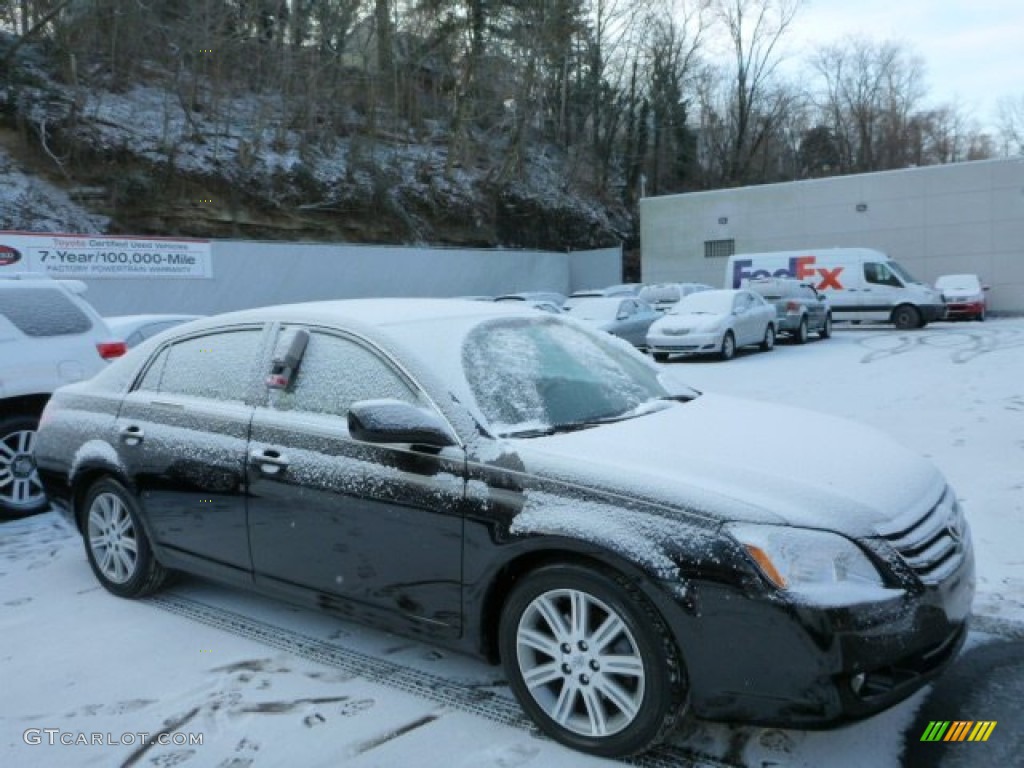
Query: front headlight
point(816, 565)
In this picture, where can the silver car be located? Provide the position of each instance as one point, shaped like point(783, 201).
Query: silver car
point(801, 310)
point(713, 322)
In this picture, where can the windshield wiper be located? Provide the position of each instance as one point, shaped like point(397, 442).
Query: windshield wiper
point(554, 429)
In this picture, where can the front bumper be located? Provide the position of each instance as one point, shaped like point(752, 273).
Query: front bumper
point(964, 310)
point(685, 344)
point(772, 662)
point(932, 312)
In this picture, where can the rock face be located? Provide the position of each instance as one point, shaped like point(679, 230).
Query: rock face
point(137, 160)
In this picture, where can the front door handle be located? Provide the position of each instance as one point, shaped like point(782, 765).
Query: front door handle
point(269, 460)
point(132, 434)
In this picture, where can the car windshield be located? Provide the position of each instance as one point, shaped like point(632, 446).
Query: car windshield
point(538, 376)
point(901, 271)
point(660, 293)
point(706, 302)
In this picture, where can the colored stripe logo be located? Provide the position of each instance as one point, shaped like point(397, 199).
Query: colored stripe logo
point(958, 730)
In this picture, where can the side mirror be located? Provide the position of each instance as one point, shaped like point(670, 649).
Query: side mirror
point(393, 421)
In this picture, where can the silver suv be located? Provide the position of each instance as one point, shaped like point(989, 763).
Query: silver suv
point(801, 310)
point(49, 336)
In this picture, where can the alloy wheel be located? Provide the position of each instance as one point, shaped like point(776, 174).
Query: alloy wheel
point(20, 486)
point(112, 538)
point(580, 663)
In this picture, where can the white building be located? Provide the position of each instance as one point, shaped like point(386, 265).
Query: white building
point(964, 217)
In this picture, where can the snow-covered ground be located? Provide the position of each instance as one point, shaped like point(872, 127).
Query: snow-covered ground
point(269, 684)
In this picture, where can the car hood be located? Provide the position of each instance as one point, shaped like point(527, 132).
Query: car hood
point(738, 460)
point(960, 295)
point(688, 322)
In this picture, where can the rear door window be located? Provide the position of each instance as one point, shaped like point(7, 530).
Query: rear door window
point(219, 366)
point(43, 311)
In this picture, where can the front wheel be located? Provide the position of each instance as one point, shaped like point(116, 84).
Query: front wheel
point(116, 543)
point(906, 317)
point(591, 661)
point(21, 491)
point(981, 316)
point(768, 343)
point(728, 350)
point(826, 329)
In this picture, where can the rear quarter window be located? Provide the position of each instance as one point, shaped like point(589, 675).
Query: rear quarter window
point(42, 312)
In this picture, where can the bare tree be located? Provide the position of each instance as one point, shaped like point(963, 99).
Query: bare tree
point(1011, 125)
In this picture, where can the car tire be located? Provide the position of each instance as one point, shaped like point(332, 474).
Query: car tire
point(906, 317)
point(801, 334)
point(661, 357)
point(768, 343)
point(118, 548)
point(981, 316)
point(562, 628)
point(728, 349)
point(826, 329)
point(21, 491)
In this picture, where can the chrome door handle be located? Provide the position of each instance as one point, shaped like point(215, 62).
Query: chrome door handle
point(269, 460)
point(132, 434)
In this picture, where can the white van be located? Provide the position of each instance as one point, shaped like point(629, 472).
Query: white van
point(861, 283)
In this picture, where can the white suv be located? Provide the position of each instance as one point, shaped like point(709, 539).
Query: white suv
point(49, 336)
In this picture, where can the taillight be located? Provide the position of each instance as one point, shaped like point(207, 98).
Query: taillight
point(110, 349)
point(792, 306)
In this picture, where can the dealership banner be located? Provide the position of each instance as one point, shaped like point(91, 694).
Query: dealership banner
point(98, 256)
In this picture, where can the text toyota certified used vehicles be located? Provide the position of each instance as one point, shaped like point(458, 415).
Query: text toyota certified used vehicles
point(713, 323)
point(519, 486)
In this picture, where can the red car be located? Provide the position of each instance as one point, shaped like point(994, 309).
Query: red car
point(964, 296)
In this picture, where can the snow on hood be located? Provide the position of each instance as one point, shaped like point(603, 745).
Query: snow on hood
point(734, 459)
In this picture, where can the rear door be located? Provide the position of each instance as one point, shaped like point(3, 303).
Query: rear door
point(183, 433)
point(375, 529)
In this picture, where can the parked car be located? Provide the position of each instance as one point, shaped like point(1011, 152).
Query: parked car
point(664, 296)
point(516, 485)
point(622, 289)
point(625, 317)
point(553, 296)
point(799, 309)
point(49, 336)
point(964, 296)
point(714, 322)
point(135, 329)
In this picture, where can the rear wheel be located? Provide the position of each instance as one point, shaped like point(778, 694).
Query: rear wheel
point(591, 661)
point(21, 491)
point(768, 343)
point(826, 329)
point(728, 349)
point(801, 332)
point(116, 543)
point(905, 317)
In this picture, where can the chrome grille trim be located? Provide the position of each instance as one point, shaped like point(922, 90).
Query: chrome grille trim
point(933, 544)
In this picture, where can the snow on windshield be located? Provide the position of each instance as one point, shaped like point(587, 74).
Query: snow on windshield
point(716, 302)
point(528, 374)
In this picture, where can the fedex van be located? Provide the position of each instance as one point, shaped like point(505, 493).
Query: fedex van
point(861, 283)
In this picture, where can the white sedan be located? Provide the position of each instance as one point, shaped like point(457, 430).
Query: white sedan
point(713, 322)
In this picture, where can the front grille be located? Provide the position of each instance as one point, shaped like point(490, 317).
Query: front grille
point(933, 544)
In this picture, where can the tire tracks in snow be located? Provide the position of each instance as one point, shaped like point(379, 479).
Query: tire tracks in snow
point(463, 698)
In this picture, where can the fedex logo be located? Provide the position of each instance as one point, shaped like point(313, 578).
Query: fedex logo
point(800, 267)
